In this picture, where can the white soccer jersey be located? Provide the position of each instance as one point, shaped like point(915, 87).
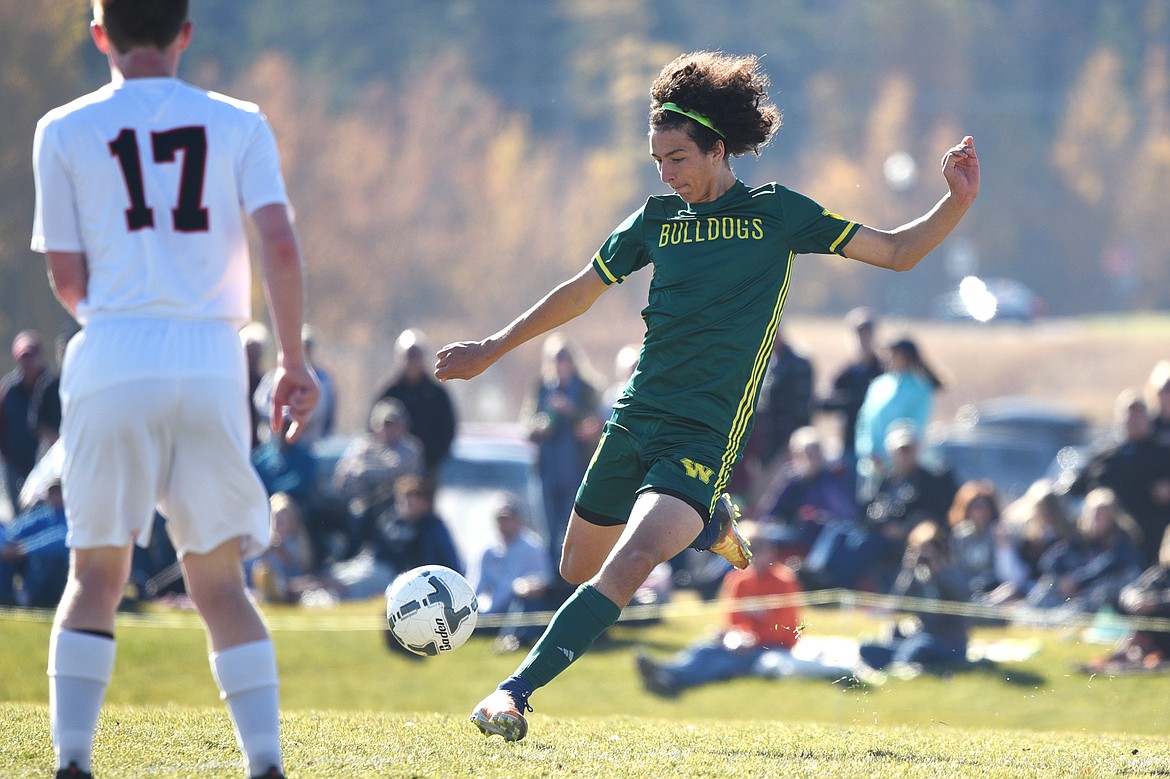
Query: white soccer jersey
point(149, 178)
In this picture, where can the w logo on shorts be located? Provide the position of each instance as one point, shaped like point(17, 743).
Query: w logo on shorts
point(697, 471)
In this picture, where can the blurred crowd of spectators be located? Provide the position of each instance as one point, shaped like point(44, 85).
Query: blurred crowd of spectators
point(835, 482)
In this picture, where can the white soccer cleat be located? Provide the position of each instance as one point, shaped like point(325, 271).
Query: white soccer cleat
point(499, 715)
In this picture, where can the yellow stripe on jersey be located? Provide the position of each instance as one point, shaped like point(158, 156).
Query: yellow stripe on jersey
point(600, 263)
point(746, 409)
point(841, 237)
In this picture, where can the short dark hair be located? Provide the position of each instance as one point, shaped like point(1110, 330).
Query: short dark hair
point(133, 23)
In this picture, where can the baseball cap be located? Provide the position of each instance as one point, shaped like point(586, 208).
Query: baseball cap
point(861, 318)
point(25, 342)
point(901, 432)
point(387, 410)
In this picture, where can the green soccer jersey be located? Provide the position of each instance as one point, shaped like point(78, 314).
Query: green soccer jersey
point(721, 274)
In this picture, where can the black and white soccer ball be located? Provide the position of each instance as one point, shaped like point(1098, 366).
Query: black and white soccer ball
point(431, 610)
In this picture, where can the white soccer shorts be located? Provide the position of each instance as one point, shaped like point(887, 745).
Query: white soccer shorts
point(178, 444)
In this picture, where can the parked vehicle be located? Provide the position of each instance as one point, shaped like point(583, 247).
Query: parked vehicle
point(1011, 441)
point(483, 462)
point(990, 300)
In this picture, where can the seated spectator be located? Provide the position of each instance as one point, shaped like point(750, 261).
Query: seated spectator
point(34, 561)
point(289, 555)
point(413, 534)
point(1158, 400)
point(807, 495)
point(513, 577)
point(1147, 596)
point(974, 523)
point(756, 639)
point(370, 466)
point(1031, 525)
point(867, 553)
point(924, 640)
point(407, 535)
point(286, 468)
point(293, 470)
point(1136, 468)
point(1088, 572)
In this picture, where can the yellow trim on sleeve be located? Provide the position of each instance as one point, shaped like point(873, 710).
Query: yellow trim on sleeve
point(841, 237)
point(600, 263)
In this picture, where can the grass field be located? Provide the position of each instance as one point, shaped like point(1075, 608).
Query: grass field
point(353, 709)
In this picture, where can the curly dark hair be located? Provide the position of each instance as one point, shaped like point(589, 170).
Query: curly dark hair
point(731, 92)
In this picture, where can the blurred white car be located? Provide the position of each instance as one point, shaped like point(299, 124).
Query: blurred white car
point(484, 461)
point(1010, 441)
point(990, 300)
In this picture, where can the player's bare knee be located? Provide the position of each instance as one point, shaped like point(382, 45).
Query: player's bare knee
point(99, 587)
point(216, 596)
point(574, 574)
point(635, 561)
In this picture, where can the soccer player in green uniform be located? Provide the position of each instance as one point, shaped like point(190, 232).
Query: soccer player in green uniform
point(722, 254)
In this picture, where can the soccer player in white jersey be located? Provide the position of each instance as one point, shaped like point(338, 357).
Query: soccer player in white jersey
point(141, 188)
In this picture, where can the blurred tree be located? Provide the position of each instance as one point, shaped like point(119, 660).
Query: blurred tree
point(40, 45)
point(424, 142)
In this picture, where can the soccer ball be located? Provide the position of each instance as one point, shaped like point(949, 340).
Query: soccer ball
point(431, 610)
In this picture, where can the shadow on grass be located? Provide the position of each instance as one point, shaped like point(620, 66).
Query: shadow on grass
point(1014, 676)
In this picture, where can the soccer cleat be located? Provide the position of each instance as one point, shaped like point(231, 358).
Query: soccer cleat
point(731, 546)
point(73, 772)
point(500, 715)
point(272, 773)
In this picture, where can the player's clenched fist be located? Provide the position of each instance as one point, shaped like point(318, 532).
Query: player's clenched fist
point(463, 360)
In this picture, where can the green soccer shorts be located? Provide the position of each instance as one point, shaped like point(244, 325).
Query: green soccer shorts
point(645, 450)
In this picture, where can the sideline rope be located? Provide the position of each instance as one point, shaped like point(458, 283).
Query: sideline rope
point(320, 620)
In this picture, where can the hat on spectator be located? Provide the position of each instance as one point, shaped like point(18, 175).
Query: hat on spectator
point(509, 503)
point(388, 410)
point(901, 432)
point(25, 342)
point(410, 343)
point(861, 318)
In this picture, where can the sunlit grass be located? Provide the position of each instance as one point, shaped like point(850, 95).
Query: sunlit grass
point(354, 709)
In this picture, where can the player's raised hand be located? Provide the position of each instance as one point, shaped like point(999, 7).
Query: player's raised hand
point(961, 169)
point(463, 360)
point(294, 396)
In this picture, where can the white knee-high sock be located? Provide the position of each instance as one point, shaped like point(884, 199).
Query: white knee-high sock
point(247, 679)
point(80, 667)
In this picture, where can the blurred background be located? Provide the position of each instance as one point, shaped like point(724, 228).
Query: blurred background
point(450, 161)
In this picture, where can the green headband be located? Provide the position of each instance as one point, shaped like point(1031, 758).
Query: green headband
point(693, 115)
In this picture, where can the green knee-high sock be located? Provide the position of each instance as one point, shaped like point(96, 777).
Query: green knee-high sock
point(576, 625)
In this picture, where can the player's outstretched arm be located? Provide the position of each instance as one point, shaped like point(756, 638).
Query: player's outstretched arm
point(902, 248)
point(295, 390)
point(467, 359)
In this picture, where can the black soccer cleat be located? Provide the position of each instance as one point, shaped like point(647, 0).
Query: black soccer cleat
point(73, 772)
point(272, 773)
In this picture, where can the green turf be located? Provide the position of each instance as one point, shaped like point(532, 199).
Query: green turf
point(354, 709)
point(175, 741)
